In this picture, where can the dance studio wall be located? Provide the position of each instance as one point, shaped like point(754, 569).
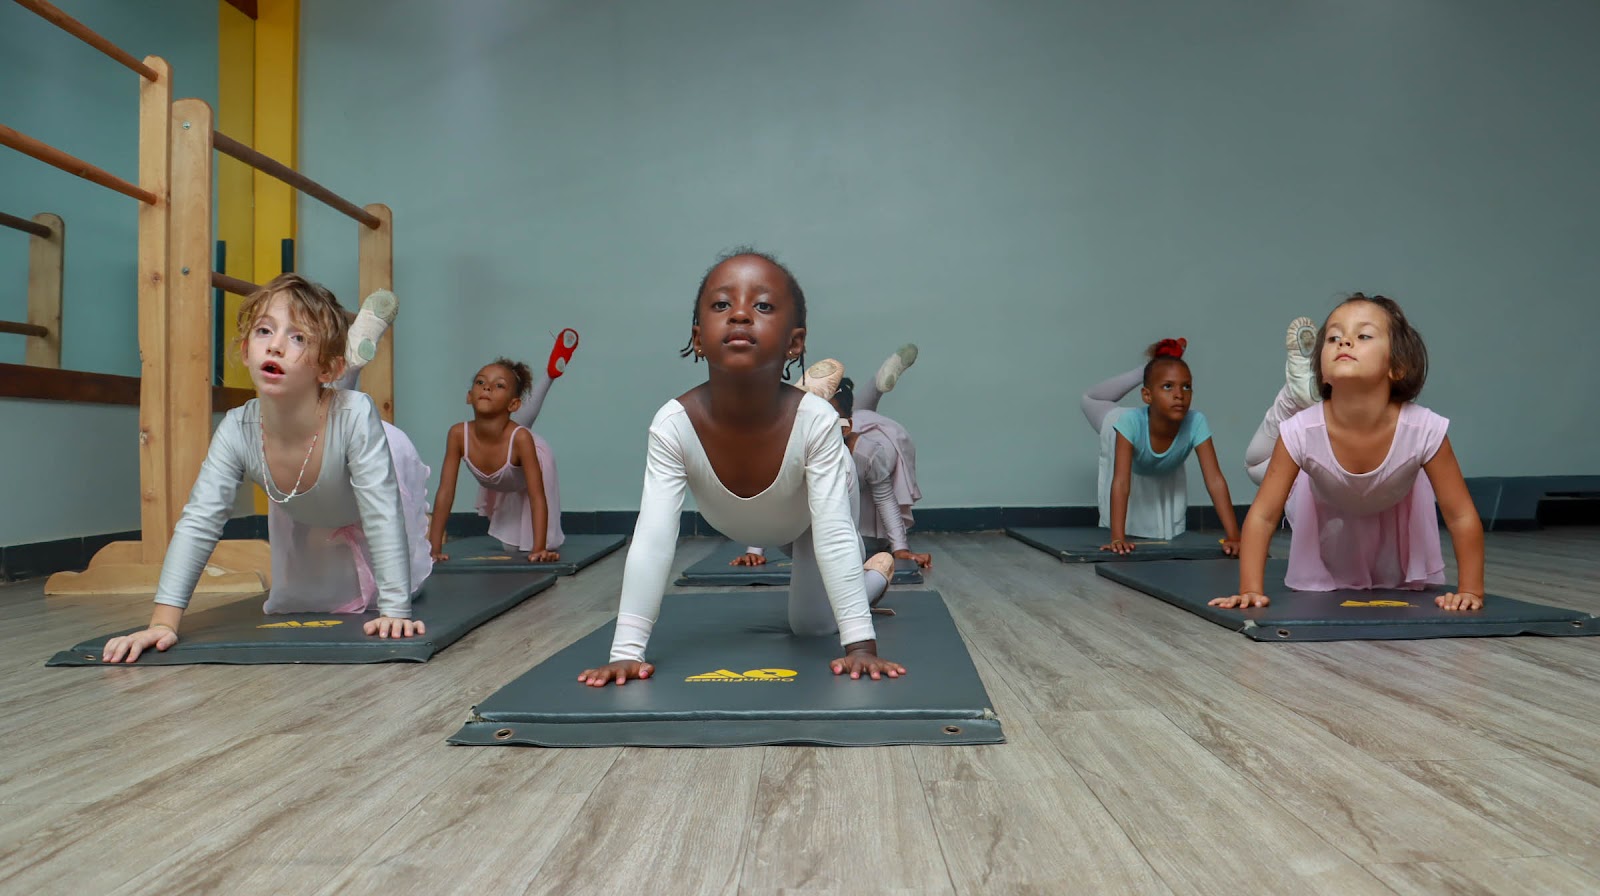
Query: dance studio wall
point(73, 469)
point(1031, 191)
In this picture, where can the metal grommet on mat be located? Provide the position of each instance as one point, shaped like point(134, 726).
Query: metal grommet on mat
point(503, 734)
point(952, 729)
point(1283, 633)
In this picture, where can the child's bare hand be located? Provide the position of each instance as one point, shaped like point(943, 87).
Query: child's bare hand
point(858, 663)
point(1242, 601)
point(1119, 546)
point(748, 560)
point(924, 561)
point(438, 555)
point(544, 556)
point(619, 671)
point(390, 627)
point(1230, 547)
point(1460, 600)
point(126, 648)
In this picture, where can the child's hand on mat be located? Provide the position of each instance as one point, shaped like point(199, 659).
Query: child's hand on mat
point(390, 627)
point(923, 560)
point(1241, 601)
point(438, 555)
point(748, 560)
point(127, 648)
point(859, 661)
point(1230, 547)
point(544, 556)
point(620, 671)
point(1118, 546)
point(1460, 600)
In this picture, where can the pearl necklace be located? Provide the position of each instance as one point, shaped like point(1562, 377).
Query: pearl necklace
point(266, 480)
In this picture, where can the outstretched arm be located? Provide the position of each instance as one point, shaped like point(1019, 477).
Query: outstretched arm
point(193, 539)
point(1466, 529)
point(528, 458)
point(1259, 524)
point(644, 575)
point(1121, 487)
point(446, 497)
point(1217, 488)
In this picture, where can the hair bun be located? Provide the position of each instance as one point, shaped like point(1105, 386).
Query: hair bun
point(1169, 348)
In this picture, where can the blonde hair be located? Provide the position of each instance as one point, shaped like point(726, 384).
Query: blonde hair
point(311, 306)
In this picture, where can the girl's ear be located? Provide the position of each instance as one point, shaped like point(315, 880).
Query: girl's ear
point(332, 371)
point(515, 403)
point(797, 342)
point(1144, 393)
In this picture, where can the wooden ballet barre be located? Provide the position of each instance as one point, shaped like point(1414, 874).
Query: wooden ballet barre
point(233, 284)
point(82, 32)
point(268, 165)
point(24, 225)
point(71, 164)
point(11, 326)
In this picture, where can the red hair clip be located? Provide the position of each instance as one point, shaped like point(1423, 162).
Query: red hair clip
point(1170, 348)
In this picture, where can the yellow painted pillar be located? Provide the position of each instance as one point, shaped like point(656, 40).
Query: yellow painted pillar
point(277, 117)
point(236, 117)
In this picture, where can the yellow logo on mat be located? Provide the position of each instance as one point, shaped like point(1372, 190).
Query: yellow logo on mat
point(315, 623)
point(751, 675)
point(1375, 603)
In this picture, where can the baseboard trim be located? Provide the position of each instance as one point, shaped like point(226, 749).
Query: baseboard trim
point(1517, 503)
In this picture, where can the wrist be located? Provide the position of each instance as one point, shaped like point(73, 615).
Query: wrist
point(165, 626)
point(867, 648)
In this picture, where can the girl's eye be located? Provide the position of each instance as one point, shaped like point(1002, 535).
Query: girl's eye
point(1365, 336)
point(263, 331)
point(1188, 388)
point(764, 306)
point(720, 305)
point(298, 339)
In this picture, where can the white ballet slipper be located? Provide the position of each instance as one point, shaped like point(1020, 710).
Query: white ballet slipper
point(377, 314)
point(1301, 343)
point(896, 364)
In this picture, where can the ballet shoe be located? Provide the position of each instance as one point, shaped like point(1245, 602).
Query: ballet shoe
point(1300, 342)
point(822, 378)
point(881, 563)
point(377, 313)
point(566, 344)
point(890, 371)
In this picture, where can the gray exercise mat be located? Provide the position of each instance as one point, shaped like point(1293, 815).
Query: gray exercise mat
point(240, 634)
point(1082, 545)
point(714, 569)
point(483, 553)
point(1375, 615)
point(729, 673)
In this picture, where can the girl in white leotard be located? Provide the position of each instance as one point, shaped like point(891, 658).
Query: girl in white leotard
point(767, 465)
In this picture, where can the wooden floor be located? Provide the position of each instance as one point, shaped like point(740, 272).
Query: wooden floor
point(1149, 752)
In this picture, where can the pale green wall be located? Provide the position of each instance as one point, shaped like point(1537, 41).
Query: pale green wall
point(1030, 190)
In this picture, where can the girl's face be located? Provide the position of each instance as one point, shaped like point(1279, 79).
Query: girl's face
point(281, 354)
point(1355, 344)
point(747, 317)
point(493, 392)
point(1170, 390)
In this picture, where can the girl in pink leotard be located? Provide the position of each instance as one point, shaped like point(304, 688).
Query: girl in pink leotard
point(514, 467)
point(1345, 471)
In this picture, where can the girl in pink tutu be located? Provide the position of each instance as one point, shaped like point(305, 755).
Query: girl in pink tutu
point(514, 466)
point(347, 491)
point(1345, 469)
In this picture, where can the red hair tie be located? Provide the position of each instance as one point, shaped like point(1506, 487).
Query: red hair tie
point(1171, 348)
